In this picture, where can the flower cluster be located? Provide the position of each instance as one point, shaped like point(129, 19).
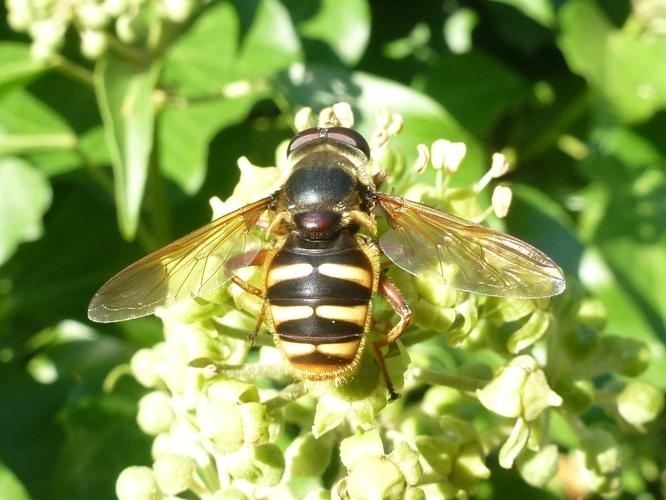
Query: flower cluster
point(478, 375)
point(98, 22)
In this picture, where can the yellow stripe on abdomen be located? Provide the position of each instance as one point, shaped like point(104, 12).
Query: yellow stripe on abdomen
point(346, 272)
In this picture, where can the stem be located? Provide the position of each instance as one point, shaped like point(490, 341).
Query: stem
point(286, 396)
point(466, 384)
point(238, 333)
point(251, 371)
point(125, 52)
point(73, 70)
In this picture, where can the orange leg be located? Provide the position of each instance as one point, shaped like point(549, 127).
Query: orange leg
point(394, 297)
point(238, 262)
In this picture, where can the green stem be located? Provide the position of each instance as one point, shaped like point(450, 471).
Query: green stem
point(466, 384)
point(73, 70)
point(240, 334)
point(127, 53)
point(286, 396)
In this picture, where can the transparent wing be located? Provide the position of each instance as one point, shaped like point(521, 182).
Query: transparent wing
point(185, 268)
point(430, 243)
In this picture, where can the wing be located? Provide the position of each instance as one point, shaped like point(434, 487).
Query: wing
point(188, 266)
point(430, 243)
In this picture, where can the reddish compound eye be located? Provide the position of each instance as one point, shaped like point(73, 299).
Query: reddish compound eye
point(340, 134)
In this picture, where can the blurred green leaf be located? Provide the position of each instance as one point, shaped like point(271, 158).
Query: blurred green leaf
point(343, 25)
point(124, 94)
point(16, 65)
point(10, 486)
point(200, 67)
point(28, 125)
point(25, 195)
point(477, 103)
point(627, 69)
point(540, 10)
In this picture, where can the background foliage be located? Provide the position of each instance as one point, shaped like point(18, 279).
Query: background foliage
point(114, 134)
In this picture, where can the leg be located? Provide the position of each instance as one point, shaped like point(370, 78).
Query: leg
point(238, 262)
point(393, 296)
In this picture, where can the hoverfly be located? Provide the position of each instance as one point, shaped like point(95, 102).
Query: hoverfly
point(322, 271)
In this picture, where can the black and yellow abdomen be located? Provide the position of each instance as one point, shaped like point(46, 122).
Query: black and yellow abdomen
point(319, 296)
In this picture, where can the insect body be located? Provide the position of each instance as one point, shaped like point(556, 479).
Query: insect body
point(322, 269)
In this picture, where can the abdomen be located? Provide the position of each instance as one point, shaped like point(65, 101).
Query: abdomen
point(320, 296)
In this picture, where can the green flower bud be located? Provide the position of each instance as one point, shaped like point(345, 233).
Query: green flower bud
point(41, 52)
point(255, 423)
point(600, 462)
point(443, 490)
point(503, 310)
point(414, 493)
point(300, 412)
point(439, 451)
point(332, 411)
point(531, 332)
point(436, 292)
point(308, 456)
point(19, 17)
point(375, 478)
point(440, 399)
point(93, 43)
point(537, 468)
point(233, 391)
point(580, 341)
point(577, 394)
point(174, 473)
point(361, 447)
point(137, 483)
point(592, 312)
point(263, 465)
point(222, 423)
point(537, 395)
point(48, 32)
point(155, 414)
point(627, 356)
point(640, 403)
point(129, 28)
point(143, 367)
point(407, 460)
point(469, 468)
point(229, 494)
point(177, 10)
point(433, 317)
point(461, 430)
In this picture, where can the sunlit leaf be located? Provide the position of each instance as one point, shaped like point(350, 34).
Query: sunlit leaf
point(124, 94)
point(16, 65)
point(25, 195)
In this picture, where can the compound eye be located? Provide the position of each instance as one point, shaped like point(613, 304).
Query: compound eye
point(302, 138)
point(350, 137)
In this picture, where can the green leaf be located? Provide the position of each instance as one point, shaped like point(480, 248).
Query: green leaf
point(343, 25)
point(25, 195)
point(28, 125)
point(627, 69)
point(17, 67)
point(478, 103)
point(124, 94)
point(539, 10)
point(10, 485)
point(201, 65)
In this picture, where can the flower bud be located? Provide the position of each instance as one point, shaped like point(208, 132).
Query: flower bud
point(255, 421)
point(92, 16)
point(308, 456)
point(93, 43)
point(19, 17)
point(628, 356)
point(229, 494)
point(469, 468)
point(222, 422)
point(174, 473)
point(329, 414)
point(233, 391)
point(177, 10)
point(600, 462)
point(114, 8)
point(640, 403)
point(537, 468)
point(440, 399)
point(143, 367)
point(579, 342)
point(439, 452)
point(375, 478)
point(407, 460)
point(263, 465)
point(531, 332)
point(129, 28)
point(155, 414)
point(137, 483)
point(577, 394)
point(318, 494)
point(592, 312)
point(361, 447)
